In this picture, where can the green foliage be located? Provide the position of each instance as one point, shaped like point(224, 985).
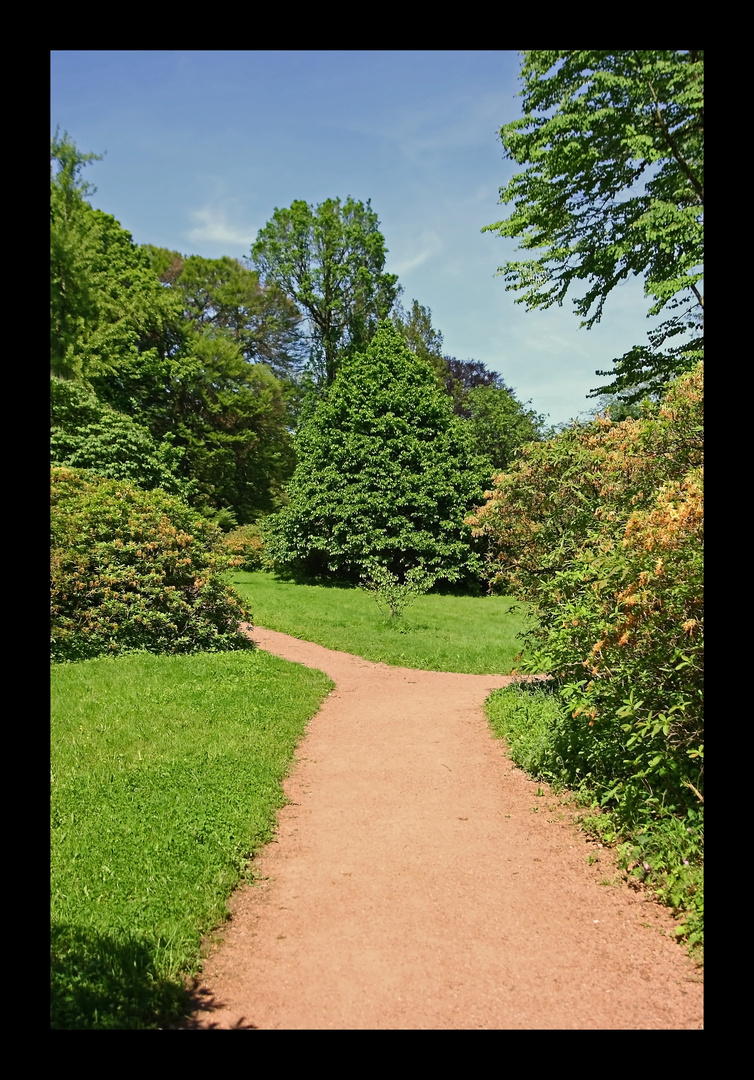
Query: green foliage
point(165, 778)
point(499, 424)
point(225, 520)
point(614, 148)
point(170, 342)
point(602, 530)
point(224, 295)
point(131, 570)
point(385, 475)
point(422, 339)
point(230, 418)
point(392, 595)
point(86, 434)
point(449, 632)
point(527, 715)
point(106, 303)
point(330, 260)
point(246, 543)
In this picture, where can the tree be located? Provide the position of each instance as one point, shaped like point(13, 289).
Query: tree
point(72, 247)
point(499, 424)
point(106, 303)
point(173, 346)
point(385, 475)
point(462, 376)
point(614, 148)
point(424, 341)
point(230, 418)
point(87, 434)
point(226, 295)
point(330, 260)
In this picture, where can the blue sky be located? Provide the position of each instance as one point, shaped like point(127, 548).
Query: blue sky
point(201, 147)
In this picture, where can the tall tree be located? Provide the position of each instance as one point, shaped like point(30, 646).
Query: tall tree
point(86, 434)
point(614, 148)
point(330, 260)
point(230, 418)
point(421, 337)
point(496, 421)
point(462, 376)
point(226, 296)
point(106, 304)
point(385, 475)
point(175, 361)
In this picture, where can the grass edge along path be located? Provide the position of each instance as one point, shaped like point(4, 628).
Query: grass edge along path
point(166, 776)
point(471, 635)
point(663, 854)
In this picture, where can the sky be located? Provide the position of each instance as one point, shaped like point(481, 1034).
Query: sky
point(200, 148)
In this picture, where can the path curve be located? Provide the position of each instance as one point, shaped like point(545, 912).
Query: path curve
point(417, 880)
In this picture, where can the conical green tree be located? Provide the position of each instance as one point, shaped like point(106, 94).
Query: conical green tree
point(385, 475)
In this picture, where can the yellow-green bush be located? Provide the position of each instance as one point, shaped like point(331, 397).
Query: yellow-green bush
point(133, 569)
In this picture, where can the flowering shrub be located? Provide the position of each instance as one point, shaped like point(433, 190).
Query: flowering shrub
point(247, 545)
point(133, 569)
point(602, 529)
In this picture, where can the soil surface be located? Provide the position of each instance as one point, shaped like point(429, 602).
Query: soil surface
point(418, 879)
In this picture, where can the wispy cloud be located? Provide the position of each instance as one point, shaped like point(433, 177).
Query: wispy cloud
point(411, 255)
point(212, 226)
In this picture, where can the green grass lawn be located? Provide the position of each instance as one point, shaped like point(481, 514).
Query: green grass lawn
point(471, 634)
point(165, 777)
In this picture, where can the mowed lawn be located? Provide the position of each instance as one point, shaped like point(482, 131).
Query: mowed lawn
point(468, 634)
point(166, 776)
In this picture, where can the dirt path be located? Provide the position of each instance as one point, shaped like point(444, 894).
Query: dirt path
point(418, 881)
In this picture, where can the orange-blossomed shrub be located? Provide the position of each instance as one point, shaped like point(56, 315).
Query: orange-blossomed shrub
point(246, 545)
point(133, 569)
point(602, 528)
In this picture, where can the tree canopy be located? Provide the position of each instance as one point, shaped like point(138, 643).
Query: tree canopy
point(385, 474)
point(614, 148)
point(330, 260)
point(500, 424)
point(179, 348)
point(106, 304)
point(226, 296)
point(89, 435)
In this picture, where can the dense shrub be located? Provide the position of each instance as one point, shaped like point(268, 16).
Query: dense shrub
point(247, 545)
point(385, 475)
point(602, 529)
point(132, 569)
point(87, 434)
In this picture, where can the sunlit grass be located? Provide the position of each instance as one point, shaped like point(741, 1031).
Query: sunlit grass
point(165, 777)
point(471, 634)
